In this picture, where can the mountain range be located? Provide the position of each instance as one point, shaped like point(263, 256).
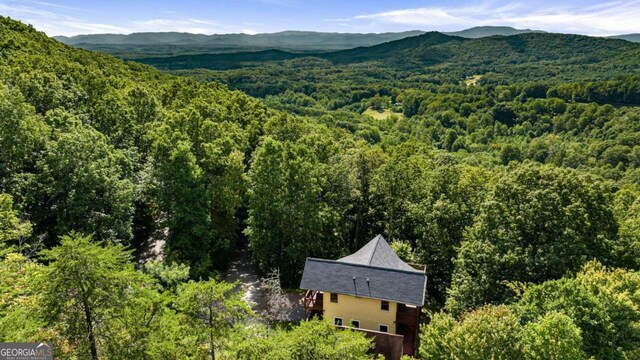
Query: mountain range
point(162, 44)
point(175, 43)
point(539, 50)
point(485, 31)
point(628, 37)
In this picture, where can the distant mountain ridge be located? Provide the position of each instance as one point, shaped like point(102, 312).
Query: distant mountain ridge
point(485, 31)
point(433, 48)
point(168, 44)
point(187, 42)
point(177, 43)
point(277, 38)
point(628, 37)
point(527, 48)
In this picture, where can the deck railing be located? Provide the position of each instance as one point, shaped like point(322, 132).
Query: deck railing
point(408, 315)
point(313, 300)
point(386, 344)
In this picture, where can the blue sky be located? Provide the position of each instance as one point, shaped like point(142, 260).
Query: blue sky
point(71, 17)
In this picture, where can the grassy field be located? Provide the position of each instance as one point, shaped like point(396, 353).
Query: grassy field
point(381, 115)
point(472, 80)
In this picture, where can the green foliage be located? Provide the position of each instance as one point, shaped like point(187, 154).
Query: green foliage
point(212, 308)
point(95, 299)
point(199, 167)
point(627, 211)
point(537, 223)
point(449, 200)
point(183, 196)
point(313, 339)
point(91, 294)
point(22, 135)
point(434, 342)
point(168, 275)
point(173, 337)
point(404, 251)
point(501, 59)
point(291, 214)
point(88, 141)
point(12, 228)
point(82, 184)
point(554, 336)
point(496, 332)
point(393, 185)
point(602, 303)
point(20, 319)
point(491, 332)
point(510, 153)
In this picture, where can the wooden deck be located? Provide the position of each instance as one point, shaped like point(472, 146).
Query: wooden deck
point(407, 324)
point(313, 304)
point(408, 315)
point(391, 346)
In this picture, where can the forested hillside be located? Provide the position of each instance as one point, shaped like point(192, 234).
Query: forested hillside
point(484, 31)
point(628, 37)
point(435, 57)
point(509, 166)
point(95, 154)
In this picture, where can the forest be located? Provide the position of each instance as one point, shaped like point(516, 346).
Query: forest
point(509, 166)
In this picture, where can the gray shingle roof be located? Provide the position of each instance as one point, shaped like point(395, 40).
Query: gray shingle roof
point(358, 276)
point(377, 253)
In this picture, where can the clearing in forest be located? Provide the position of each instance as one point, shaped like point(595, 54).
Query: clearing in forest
point(381, 115)
point(472, 80)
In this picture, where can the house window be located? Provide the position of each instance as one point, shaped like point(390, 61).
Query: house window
point(355, 324)
point(383, 328)
point(337, 321)
point(334, 298)
point(384, 305)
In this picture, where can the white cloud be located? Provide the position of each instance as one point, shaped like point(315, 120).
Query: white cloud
point(91, 28)
point(613, 17)
point(55, 23)
point(419, 16)
point(58, 6)
point(56, 19)
point(338, 20)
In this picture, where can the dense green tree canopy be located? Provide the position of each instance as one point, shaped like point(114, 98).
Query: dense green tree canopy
point(12, 228)
point(290, 216)
point(212, 308)
point(537, 223)
point(83, 184)
point(591, 315)
point(311, 340)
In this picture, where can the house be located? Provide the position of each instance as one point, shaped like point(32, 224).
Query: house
point(372, 290)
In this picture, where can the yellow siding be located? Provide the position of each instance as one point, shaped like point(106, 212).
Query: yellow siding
point(364, 309)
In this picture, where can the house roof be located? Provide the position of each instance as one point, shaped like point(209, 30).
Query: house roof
point(377, 253)
point(371, 272)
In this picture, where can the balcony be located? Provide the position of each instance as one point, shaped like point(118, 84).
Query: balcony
point(313, 302)
point(408, 315)
point(407, 320)
point(391, 346)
